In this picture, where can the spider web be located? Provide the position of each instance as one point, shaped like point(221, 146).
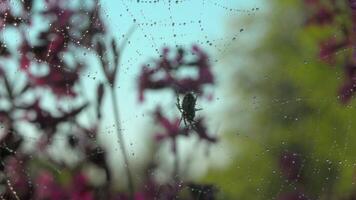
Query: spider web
point(158, 24)
point(170, 24)
point(167, 24)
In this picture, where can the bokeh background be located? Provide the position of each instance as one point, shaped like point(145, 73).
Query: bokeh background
point(281, 105)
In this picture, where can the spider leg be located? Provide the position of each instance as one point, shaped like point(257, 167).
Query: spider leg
point(198, 109)
point(179, 108)
point(192, 126)
point(185, 121)
point(178, 104)
point(180, 120)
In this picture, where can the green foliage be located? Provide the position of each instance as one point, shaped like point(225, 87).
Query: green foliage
point(298, 110)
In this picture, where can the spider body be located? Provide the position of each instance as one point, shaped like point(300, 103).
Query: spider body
point(187, 108)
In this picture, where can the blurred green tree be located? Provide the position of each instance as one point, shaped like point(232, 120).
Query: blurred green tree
point(297, 142)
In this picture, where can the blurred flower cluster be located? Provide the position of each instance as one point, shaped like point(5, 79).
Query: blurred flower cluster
point(340, 16)
point(291, 167)
point(69, 30)
point(50, 63)
point(164, 74)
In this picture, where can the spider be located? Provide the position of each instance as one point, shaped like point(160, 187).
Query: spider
point(187, 108)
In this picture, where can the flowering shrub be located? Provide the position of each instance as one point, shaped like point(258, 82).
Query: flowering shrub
point(332, 25)
point(28, 174)
point(340, 16)
point(164, 75)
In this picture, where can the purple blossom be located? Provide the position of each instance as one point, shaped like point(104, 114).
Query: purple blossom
point(8, 18)
point(294, 195)
point(352, 4)
point(329, 48)
point(322, 16)
point(290, 164)
point(70, 29)
point(80, 188)
point(64, 22)
point(348, 88)
point(63, 33)
point(146, 81)
point(48, 188)
point(201, 130)
point(324, 13)
point(46, 121)
point(59, 80)
point(163, 73)
point(172, 128)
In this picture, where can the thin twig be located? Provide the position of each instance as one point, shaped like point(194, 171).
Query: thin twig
point(128, 35)
point(122, 142)
point(115, 105)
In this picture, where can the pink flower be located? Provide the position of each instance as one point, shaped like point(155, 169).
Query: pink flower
point(53, 42)
point(347, 91)
point(290, 164)
point(60, 78)
point(147, 81)
point(61, 81)
point(48, 188)
point(201, 131)
point(329, 47)
point(80, 189)
point(172, 128)
point(348, 88)
point(163, 73)
point(46, 121)
point(322, 16)
point(294, 195)
point(8, 18)
point(352, 4)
